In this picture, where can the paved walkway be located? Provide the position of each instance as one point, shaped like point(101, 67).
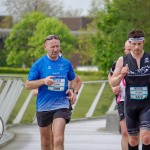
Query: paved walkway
point(79, 135)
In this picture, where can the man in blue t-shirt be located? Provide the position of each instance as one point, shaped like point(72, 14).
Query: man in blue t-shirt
point(50, 74)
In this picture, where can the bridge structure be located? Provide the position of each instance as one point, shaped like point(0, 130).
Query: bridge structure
point(11, 88)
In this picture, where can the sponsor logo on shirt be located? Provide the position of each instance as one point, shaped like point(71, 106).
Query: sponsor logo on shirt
point(140, 72)
point(146, 60)
point(49, 67)
point(60, 66)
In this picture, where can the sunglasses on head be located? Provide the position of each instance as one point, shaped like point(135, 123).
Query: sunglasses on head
point(50, 37)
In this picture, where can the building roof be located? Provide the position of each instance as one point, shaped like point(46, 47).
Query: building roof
point(76, 23)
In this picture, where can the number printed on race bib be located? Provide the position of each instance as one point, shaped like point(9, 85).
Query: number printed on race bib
point(138, 93)
point(59, 85)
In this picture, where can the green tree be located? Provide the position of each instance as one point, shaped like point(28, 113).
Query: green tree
point(86, 36)
point(95, 7)
point(51, 26)
point(2, 57)
point(85, 45)
point(16, 44)
point(113, 24)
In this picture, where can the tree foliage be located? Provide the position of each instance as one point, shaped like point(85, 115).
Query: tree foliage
point(16, 44)
point(85, 45)
point(113, 24)
point(25, 43)
point(95, 6)
point(50, 26)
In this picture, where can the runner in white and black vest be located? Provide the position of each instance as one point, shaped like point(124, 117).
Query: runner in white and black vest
point(119, 92)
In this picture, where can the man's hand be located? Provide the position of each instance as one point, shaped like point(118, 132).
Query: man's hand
point(125, 70)
point(49, 80)
point(74, 98)
point(116, 89)
point(71, 96)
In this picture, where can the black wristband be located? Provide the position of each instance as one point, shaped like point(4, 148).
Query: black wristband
point(76, 92)
point(72, 89)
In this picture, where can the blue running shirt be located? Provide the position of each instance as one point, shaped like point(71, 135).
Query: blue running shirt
point(54, 96)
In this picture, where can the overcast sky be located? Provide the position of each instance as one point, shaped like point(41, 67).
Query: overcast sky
point(2, 9)
point(78, 4)
point(68, 4)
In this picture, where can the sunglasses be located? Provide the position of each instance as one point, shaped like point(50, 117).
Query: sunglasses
point(50, 37)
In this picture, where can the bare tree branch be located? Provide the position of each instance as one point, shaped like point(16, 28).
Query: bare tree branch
point(18, 8)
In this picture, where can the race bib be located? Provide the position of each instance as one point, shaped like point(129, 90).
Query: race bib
point(138, 93)
point(59, 85)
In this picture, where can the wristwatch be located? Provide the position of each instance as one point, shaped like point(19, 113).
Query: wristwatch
point(76, 92)
point(72, 89)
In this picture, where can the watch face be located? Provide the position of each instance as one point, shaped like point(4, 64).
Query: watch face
point(1, 127)
point(76, 92)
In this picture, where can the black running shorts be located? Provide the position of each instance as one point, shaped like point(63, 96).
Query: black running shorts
point(120, 107)
point(137, 117)
point(45, 118)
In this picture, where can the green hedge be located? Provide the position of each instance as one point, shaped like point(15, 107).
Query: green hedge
point(26, 70)
point(11, 70)
point(99, 74)
point(14, 70)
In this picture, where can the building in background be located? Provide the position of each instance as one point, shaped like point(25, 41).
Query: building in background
point(76, 23)
point(73, 23)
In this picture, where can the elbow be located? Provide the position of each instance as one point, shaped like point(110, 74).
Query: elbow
point(112, 83)
point(27, 85)
point(79, 83)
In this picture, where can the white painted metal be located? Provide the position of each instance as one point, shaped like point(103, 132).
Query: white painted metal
point(23, 109)
point(95, 102)
point(73, 106)
point(9, 97)
point(4, 92)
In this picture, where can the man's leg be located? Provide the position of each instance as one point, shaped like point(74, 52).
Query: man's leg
point(145, 137)
point(58, 133)
point(124, 133)
point(46, 135)
point(133, 142)
point(51, 138)
point(145, 127)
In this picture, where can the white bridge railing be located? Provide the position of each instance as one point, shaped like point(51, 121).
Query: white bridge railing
point(11, 88)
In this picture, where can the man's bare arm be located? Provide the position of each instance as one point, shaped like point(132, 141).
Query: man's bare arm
point(119, 72)
point(37, 83)
point(117, 76)
point(115, 89)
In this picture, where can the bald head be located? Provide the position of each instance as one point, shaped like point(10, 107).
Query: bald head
point(127, 47)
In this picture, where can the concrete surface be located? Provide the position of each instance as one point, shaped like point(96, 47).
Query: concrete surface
point(79, 135)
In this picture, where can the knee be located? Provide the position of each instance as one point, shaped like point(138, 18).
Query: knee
point(134, 141)
point(124, 133)
point(146, 139)
point(58, 140)
point(45, 141)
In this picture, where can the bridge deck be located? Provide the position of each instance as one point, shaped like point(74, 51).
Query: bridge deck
point(79, 135)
